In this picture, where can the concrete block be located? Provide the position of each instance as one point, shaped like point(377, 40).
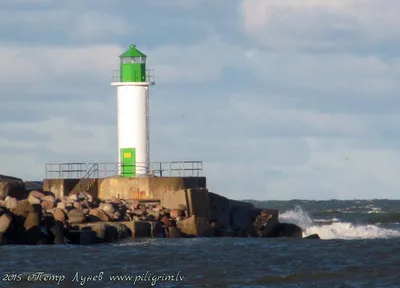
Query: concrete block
point(194, 225)
point(82, 237)
point(138, 229)
point(11, 186)
point(174, 232)
point(196, 200)
point(156, 229)
point(220, 209)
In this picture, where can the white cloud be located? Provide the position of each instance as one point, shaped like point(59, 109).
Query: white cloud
point(93, 25)
point(260, 113)
point(309, 23)
point(32, 64)
point(199, 62)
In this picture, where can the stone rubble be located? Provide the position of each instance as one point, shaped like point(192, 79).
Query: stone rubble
point(42, 218)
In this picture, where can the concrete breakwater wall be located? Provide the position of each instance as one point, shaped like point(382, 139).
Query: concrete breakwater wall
point(42, 218)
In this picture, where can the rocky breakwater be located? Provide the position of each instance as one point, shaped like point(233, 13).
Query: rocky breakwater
point(41, 218)
point(80, 219)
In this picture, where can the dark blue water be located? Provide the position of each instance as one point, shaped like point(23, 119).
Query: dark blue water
point(361, 249)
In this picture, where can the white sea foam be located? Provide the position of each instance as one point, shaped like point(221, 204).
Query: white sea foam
point(336, 230)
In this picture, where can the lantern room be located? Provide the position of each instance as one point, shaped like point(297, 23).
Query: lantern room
point(133, 65)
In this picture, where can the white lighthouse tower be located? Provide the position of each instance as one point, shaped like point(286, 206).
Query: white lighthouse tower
point(133, 113)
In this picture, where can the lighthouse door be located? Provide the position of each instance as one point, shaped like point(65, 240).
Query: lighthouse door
point(128, 161)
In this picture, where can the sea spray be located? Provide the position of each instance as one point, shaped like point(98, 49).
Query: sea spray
point(336, 230)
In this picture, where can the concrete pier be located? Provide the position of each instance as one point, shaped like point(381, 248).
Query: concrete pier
point(139, 188)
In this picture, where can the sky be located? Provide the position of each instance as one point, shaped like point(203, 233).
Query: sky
point(280, 99)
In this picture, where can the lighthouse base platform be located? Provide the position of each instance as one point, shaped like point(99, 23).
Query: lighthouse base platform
point(140, 188)
point(94, 178)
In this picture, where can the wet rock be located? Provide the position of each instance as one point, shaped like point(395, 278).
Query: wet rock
point(174, 232)
point(156, 230)
point(57, 234)
point(10, 202)
point(73, 198)
point(265, 222)
point(81, 196)
point(312, 236)
point(107, 232)
point(2, 203)
point(240, 216)
point(5, 222)
point(59, 215)
point(76, 216)
point(3, 240)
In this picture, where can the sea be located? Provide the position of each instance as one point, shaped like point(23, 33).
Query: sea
point(360, 247)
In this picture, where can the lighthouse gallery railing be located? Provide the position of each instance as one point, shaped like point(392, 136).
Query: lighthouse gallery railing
point(109, 169)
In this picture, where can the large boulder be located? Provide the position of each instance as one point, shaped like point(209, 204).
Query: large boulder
point(194, 226)
point(5, 222)
point(220, 209)
point(10, 202)
point(98, 215)
point(106, 232)
point(241, 218)
point(76, 216)
point(312, 236)
point(12, 186)
point(264, 221)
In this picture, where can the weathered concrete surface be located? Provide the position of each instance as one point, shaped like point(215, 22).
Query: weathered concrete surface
point(194, 226)
point(82, 237)
point(220, 209)
point(62, 187)
point(196, 201)
point(106, 232)
point(145, 187)
point(11, 186)
point(125, 188)
point(138, 229)
point(240, 217)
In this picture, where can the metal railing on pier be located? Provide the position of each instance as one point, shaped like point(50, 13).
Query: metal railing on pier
point(102, 170)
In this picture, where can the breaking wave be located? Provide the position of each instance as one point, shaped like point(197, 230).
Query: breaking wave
point(333, 229)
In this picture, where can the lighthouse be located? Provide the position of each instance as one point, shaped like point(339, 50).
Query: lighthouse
point(133, 82)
